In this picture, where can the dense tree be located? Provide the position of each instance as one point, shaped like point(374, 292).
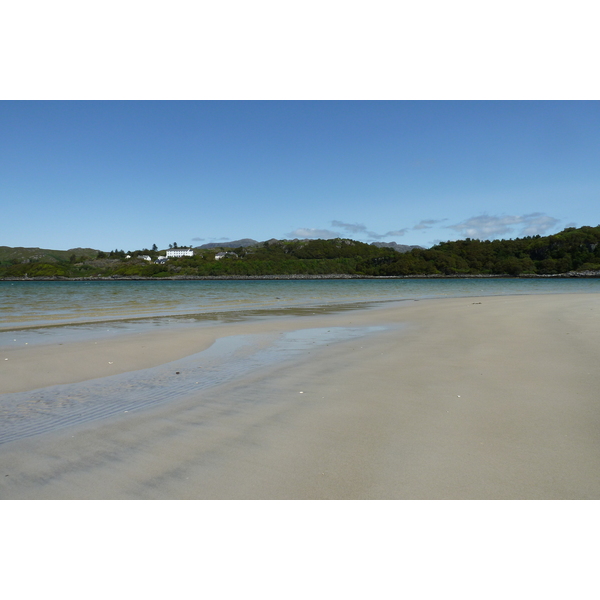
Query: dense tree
point(571, 249)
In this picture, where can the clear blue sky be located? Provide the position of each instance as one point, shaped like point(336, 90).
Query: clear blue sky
point(130, 174)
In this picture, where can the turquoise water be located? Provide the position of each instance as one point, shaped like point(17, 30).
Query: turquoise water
point(41, 303)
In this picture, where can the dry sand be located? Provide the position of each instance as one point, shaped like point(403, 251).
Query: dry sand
point(472, 398)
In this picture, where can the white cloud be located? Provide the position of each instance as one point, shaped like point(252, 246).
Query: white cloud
point(428, 223)
point(490, 227)
point(538, 224)
point(303, 232)
point(357, 228)
point(380, 236)
point(362, 229)
point(352, 227)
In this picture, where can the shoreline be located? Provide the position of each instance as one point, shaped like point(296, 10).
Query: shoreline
point(120, 301)
point(223, 316)
point(56, 361)
point(452, 398)
point(568, 275)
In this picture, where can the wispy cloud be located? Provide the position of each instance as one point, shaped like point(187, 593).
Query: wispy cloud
point(197, 239)
point(304, 232)
point(490, 226)
point(352, 227)
point(428, 223)
point(357, 229)
point(538, 224)
point(381, 236)
point(362, 229)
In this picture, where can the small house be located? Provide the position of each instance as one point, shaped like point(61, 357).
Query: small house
point(220, 255)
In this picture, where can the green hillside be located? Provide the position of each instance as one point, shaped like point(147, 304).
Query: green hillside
point(571, 250)
point(21, 255)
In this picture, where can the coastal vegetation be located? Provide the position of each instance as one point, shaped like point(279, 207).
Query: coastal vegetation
point(573, 249)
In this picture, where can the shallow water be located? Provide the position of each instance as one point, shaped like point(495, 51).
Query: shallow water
point(26, 414)
point(42, 303)
point(57, 312)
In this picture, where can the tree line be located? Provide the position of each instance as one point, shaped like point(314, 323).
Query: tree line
point(573, 249)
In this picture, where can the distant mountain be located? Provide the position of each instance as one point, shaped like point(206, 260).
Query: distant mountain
point(569, 253)
point(250, 242)
point(234, 244)
point(396, 247)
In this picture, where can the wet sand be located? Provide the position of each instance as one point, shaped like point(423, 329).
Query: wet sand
point(459, 398)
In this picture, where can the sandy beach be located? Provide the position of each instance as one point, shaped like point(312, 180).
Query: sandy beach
point(457, 398)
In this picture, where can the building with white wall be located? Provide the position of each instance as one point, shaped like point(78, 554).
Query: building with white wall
point(220, 255)
point(179, 252)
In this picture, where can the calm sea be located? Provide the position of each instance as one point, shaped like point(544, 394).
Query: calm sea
point(41, 303)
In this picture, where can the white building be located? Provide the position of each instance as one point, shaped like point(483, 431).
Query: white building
point(178, 252)
point(220, 255)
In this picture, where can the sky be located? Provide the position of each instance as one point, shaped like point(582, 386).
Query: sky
point(93, 172)
point(130, 174)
